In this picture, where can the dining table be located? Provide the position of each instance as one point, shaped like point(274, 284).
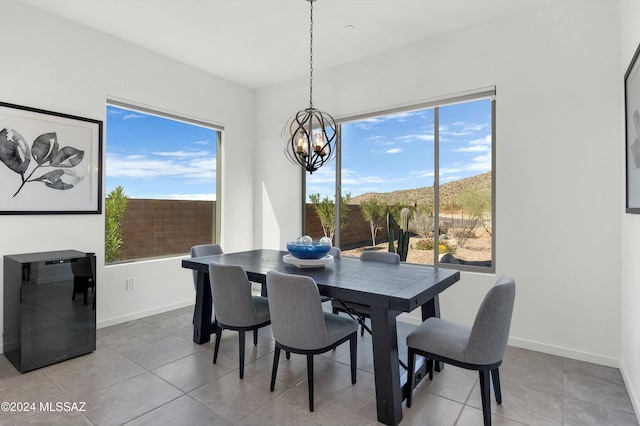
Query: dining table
point(387, 289)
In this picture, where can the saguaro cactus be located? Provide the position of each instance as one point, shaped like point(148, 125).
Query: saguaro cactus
point(391, 229)
point(403, 233)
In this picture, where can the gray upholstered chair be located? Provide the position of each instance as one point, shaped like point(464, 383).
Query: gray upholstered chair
point(198, 251)
point(204, 250)
point(357, 310)
point(299, 324)
point(380, 256)
point(479, 347)
point(235, 307)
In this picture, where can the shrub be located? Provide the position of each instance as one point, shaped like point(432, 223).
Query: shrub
point(424, 245)
point(421, 223)
point(464, 233)
point(325, 209)
point(445, 247)
point(115, 207)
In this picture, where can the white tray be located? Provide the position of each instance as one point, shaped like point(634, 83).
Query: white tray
point(308, 263)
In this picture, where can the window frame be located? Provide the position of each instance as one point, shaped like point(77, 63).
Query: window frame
point(435, 104)
point(216, 225)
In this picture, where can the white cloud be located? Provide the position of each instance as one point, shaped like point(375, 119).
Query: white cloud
point(325, 174)
point(362, 180)
point(202, 168)
point(481, 163)
point(143, 167)
point(477, 145)
point(457, 133)
point(461, 128)
point(182, 154)
point(421, 174)
point(132, 115)
point(351, 178)
point(474, 127)
point(402, 116)
point(394, 151)
point(482, 141)
point(444, 171)
point(474, 148)
point(427, 137)
point(370, 123)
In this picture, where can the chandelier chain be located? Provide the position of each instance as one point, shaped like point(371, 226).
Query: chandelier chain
point(311, 57)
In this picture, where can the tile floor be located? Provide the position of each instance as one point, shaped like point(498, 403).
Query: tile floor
point(149, 372)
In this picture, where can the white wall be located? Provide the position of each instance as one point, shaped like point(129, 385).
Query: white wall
point(558, 161)
point(56, 65)
point(630, 352)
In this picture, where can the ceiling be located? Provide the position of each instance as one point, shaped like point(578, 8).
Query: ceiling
point(257, 43)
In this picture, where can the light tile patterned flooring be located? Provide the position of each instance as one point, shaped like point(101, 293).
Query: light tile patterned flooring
point(149, 372)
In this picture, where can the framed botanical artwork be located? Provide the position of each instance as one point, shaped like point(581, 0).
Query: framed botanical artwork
point(632, 132)
point(50, 163)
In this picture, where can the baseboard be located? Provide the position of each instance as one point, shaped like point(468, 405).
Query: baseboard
point(143, 314)
point(543, 347)
point(564, 352)
point(635, 398)
point(408, 318)
point(135, 316)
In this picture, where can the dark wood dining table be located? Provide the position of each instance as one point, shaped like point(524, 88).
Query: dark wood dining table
point(388, 289)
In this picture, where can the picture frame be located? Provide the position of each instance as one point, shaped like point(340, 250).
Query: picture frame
point(632, 134)
point(50, 162)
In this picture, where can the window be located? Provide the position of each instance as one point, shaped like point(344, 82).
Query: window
point(161, 184)
point(435, 161)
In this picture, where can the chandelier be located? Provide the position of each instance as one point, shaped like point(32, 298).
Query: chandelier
point(310, 134)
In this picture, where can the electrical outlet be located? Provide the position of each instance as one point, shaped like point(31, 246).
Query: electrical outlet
point(131, 283)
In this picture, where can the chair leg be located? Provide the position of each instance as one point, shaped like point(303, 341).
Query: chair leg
point(485, 393)
point(430, 363)
point(310, 380)
point(241, 349)
point(495, 376)
point(288, 354)
point(255, 337)
point(335, 311)
point(411, 376)
point(217, 346)
point(274, 369)
point(353, 348)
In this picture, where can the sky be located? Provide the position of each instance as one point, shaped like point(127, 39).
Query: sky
point(158, 158)
point(393, 152)
point(154, 157)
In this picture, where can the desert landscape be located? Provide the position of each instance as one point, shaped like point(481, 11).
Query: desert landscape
point(475, 249)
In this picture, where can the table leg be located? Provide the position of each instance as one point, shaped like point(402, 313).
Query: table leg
point(260, 279)
point(202, 327)
point(386, 366)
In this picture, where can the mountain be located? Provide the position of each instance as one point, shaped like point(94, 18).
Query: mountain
point(449, 192)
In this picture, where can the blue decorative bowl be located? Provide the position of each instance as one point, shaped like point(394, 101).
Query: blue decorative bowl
point(310, 251)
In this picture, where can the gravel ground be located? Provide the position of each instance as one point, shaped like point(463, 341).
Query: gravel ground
point(478, 248)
